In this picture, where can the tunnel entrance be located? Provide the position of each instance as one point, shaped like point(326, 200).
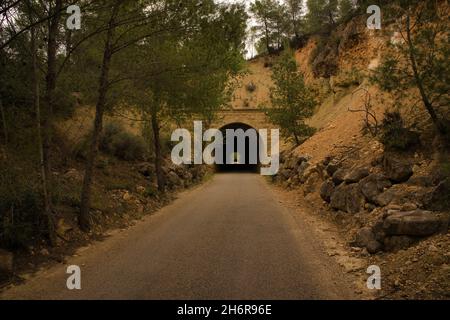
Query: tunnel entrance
point(241, 162)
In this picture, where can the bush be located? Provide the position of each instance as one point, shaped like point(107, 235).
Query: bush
point(151, 191)
point(395, 136)
point(349, 78)
point(127, 146)
point(111, 130)
point(116, 141)
point(20, 208)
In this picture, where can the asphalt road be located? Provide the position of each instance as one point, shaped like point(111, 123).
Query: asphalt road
point(228, 239)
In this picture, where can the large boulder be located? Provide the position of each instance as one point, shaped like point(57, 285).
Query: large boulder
point(378, 230)
point(413, 223)
point(326, 161)
point(439, 199)
point(388, 196)
point(301, 169)
point(338, 199)
point(397, 170)
point(173, 180)
point(311, 182)
point(332, 167)
point(285, 174)
point(310, 170)
point(374, 185)
point(327, 190)
point(347, 198)
point(356, 175)
point(6, 263)
point(365, 238)
point(339, 176)
point(395, 243)
point(303, 158)
point(421, 181)
point(294, 161)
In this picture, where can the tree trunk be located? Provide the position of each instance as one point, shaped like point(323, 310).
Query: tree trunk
point(47, 115)
point(267, 37)
point(68, 41)
point(37, 107)
point(426, 101)
point(294, 25)
point(5, 129)
point(158, 152)
point(84, 216)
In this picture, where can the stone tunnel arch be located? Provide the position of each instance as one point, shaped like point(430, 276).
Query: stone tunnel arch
point(243, 162)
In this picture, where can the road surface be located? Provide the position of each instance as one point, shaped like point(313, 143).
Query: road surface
point(228, 239)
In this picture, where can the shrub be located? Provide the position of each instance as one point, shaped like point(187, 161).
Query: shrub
point(20, 208)
point(394, 134)
point(116, 141)
point(80, 150)
point(127, 146)
point(111, 130)
point(349, 78)
point(151, 191)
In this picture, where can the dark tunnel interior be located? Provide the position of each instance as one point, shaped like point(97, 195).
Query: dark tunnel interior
point(244, 165)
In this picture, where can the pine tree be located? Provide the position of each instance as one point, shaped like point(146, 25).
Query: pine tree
point(322, 15)
point(420, 60)
point(273, 23)
point(292, 101)
point(345, 10)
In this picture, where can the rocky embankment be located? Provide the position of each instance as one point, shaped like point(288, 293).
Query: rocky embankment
point(123, 192)
point(391, 210)
point(390, 202)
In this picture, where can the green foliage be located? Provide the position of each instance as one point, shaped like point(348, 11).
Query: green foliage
point(67, 193)
point(395, 136)
point(122, 144)
point(349, 78)
point(151, 191)
point(387, 74)
point(322, 15)
point(446, 169)
point(127, 146)
point(273, 24)
point(116, 141)
point(292, 101)
point(419, 63)
point(111, 130)
point(117, 183)
point(20, 205)
point(295, 12)
point(346, 10)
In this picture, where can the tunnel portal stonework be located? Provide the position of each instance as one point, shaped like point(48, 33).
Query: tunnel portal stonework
point(255, 118)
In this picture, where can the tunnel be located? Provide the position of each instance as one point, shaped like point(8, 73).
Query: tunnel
point(242, 162)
